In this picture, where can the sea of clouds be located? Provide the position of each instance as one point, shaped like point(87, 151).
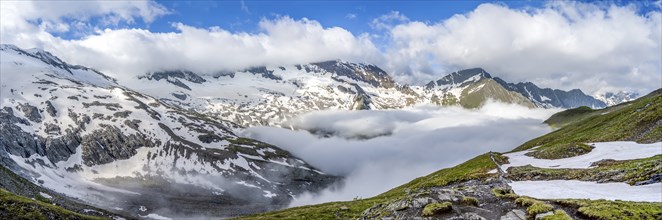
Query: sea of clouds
point(380, 149)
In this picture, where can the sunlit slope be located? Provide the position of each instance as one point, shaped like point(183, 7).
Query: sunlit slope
point(638, 120)
point(477, 94)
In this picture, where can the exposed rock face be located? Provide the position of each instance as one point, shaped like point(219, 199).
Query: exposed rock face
point(174, 76)
point(31, 112)
point(50, 109)
point(109, 143)
point(489, 206)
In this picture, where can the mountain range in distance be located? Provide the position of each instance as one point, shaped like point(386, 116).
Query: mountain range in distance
point(271, 95)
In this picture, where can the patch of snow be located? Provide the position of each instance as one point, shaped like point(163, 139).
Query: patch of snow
point(477, 88)
point(45, 195)
point(91, 210)
point(492, 171)
point(618, 150)
point(269, 194)
point(157, 217)
point(574, 189)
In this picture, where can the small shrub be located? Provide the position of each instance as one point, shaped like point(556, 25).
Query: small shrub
point(539, 207)
point(525, 201)
point(41, 198)
point(437, 208)
point(558, 215)
point(468, 200)
point(504, 193)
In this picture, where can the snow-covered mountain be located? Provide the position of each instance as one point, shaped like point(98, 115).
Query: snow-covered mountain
point(611, 98)
point(272, 95)
point(76, 131)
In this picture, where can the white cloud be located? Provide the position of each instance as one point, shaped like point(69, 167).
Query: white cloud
point(387, 21)
point(350, 16)
point(589, 44)
point(244, 7)
point(20, 16)
point(124, 53)
point(281, 41)
point(422, 139)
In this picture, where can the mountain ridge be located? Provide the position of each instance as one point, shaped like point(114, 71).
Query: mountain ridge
point(272, 95)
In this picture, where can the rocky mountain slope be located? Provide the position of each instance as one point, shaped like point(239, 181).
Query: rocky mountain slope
point(271, 95)
point(77, 132)
point(516, 185)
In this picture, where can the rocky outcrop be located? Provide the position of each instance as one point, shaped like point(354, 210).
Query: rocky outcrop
point(174, 77)
point(31, 112)
point(488, 205)
point(109, 144)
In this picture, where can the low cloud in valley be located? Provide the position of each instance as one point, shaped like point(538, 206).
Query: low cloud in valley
point(415, 142)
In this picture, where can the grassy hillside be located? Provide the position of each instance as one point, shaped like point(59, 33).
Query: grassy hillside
point(571, 115)
point(475, 168)
point(638, 121)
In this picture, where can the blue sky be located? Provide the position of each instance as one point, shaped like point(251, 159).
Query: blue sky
point(351, 15)
point(355, 16)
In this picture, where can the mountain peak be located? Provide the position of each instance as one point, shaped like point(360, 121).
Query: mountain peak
point(461, 77)
point(360, 72)
point(611, 98)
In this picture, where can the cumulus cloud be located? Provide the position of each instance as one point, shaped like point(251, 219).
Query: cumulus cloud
point(583, 44)
point(422, 139)
point(283, 41)
point(125, 53)
point(387, 21)
point(19, 17)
